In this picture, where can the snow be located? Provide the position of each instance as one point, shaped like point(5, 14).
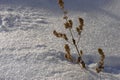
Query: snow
point(29, 50)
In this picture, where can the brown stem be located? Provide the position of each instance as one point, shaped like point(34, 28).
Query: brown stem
point(78, 39)
point(69, 42)
point(71, 34)
point(77, 50)
point(74, 43)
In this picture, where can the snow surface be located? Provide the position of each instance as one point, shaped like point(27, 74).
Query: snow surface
point(29, 51)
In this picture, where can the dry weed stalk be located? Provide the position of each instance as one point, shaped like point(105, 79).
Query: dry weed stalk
point(60, 35)
point(68, 55)
point(68, 25)
point(100, 66)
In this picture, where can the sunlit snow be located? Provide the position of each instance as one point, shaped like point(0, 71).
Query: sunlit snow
point(29, 50)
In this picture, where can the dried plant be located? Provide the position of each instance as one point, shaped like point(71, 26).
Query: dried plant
point(60, 35)
point(68, 55)
point(100, 66)
point(68, 25)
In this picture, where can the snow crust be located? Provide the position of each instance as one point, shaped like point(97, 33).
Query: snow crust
point(29, 51)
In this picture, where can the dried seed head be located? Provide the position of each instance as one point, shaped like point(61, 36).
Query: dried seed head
point(81, 52)
point(65, 17)
point(103, 57)
point(60, 35)
point(70, 22)
point(81, 21)
point(78, 30)
point(67, 48)
point(68, 57)
point(79, 60)
point(83, 64)
point(65, 37)
point(55, 33)
point(66, 25)
point(81, 27)
point(101, 62)
point(101, 54)
point(101, 67)
point(61, 4)
point(100, 51)
point(98, 70)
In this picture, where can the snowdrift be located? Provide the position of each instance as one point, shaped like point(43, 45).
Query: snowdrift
point(29, 51)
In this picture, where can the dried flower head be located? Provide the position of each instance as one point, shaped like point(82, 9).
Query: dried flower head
point(81, 21)
point(78, 30)
point(83, 64)
point(81, 52)
point(61, 4)
point(81, 27)
point(67, 48)
point(57, 34)
point(98, 70)
point(65, 37)
point(68, 24)
point(60, 35)
point(65, 17)
point(100, 51)
point(79, 60)
point(101, 62)
point(68, 57)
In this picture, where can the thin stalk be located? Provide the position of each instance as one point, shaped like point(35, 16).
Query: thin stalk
point(77, 50)
point(78, 39)
point(69, 42)
point(71, 33)
point(75, 42)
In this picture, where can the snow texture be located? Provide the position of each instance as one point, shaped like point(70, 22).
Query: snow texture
point(29, 50)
